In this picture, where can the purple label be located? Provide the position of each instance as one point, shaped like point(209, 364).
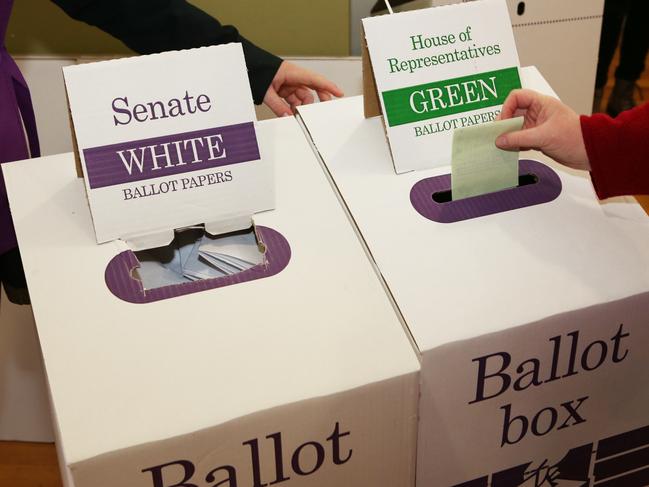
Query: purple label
point(158, 157)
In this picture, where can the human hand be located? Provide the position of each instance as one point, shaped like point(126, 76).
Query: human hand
point(292, 87)
point(550, 127)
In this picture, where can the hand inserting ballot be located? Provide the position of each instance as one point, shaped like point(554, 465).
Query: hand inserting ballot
point(550, 127)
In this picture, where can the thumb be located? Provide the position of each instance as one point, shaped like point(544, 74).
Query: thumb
point(276, 103)
point(527, 138)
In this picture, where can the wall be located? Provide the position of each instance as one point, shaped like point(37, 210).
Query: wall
point(286, 27)
point(359, 10)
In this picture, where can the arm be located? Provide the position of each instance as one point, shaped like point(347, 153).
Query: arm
point(150, 26)
point(618, 150)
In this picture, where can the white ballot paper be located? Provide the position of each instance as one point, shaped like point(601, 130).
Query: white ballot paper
point(194, 255)
point(478, 166)
point(240, 251)
point(156, 274)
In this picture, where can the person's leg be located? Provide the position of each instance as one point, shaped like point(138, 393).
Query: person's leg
point(635, 42)
point(614, 13)
point(633, 52)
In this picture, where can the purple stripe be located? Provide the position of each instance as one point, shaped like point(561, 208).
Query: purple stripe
point(105, 167)
point(124, 286)
point(546, 189)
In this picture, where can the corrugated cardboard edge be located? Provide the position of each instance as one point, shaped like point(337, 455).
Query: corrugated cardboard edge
point(371, 100)
point(75, 144)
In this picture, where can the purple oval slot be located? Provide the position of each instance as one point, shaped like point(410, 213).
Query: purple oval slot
point(542, 186)
point(124, 286)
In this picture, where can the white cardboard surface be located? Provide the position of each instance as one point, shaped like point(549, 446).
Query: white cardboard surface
point(576, 216)
point(135, 386)
point(506, 283)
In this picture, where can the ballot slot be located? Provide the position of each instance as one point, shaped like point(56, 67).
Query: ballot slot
point(197, 261)
point(537, 184)
point(195, 255)
point(446, 196)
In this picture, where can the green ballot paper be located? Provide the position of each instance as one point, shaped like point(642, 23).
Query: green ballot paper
point(478, 166)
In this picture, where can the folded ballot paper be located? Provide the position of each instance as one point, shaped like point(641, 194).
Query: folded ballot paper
point(195, 255)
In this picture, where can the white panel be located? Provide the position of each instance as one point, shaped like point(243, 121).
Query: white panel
point(24, 407)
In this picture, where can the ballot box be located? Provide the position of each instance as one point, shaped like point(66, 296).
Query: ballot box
point(529, 309)
point(301, 374)
point(560, 38)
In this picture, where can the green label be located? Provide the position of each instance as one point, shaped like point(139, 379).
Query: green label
point(443, 98)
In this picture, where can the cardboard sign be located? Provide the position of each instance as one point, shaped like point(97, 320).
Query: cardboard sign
point(167, 141)
point(437, 70)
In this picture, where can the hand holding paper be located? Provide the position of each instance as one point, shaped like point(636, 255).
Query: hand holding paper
point(550, 127)
point(478, 166)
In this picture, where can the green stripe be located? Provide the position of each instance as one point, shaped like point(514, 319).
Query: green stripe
point(452, 96)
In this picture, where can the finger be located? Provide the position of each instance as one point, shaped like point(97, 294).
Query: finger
point(296, 96)
point(276, 103)
point(286, 90)
point(518, 100)
point(314, 81)
point(305, 95)
point(293, 100)
point(527, 139)
point(324, 96)
point(518, 113)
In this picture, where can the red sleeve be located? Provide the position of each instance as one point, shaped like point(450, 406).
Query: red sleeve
point(618, 150)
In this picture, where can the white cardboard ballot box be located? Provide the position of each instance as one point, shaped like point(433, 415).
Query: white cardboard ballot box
point(302, 378)
point(531, 323)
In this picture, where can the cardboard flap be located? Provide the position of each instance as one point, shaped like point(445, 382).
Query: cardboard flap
point(371, 101)
point(163, 152)
point(233, 224)
point(149, 241)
